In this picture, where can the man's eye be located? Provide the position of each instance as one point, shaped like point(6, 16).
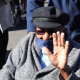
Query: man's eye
point(39, 32)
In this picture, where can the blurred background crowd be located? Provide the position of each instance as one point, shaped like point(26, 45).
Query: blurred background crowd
point(12, 13)
point(18, 8)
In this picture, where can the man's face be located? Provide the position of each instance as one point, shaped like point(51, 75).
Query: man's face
point(46, 34)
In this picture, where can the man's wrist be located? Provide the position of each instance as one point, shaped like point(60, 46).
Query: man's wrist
point(65, 72)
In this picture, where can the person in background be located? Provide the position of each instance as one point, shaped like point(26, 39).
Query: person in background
point(19, 11)
point(6, 21)
point(46, 54)
point(31, 5)
point(72, 7)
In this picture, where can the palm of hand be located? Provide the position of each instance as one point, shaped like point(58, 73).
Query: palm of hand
point(59, 58)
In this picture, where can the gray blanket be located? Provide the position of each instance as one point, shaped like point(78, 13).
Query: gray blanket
point(23, 63)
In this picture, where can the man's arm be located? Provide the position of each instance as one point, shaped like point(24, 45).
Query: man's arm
point(64, 73)
point(59, 58)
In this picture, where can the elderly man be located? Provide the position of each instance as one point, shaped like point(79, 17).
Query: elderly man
point(44, 55)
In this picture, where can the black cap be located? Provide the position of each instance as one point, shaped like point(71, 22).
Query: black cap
point(49, 17)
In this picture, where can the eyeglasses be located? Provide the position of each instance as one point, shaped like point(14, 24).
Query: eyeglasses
point(42, 32)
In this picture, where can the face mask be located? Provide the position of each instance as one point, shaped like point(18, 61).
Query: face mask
point(45, 43)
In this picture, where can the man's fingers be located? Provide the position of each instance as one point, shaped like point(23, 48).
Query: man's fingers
point(52, 57)
point(62, 40)
point(47, 51)
point(66, 47)
point(59, 38)
point(54, 39)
